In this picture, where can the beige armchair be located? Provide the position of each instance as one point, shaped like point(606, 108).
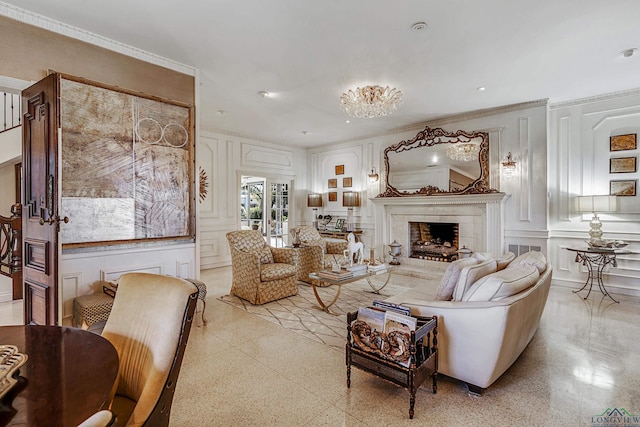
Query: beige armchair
point(313, 261)
point(149, 326)
point(260, 272)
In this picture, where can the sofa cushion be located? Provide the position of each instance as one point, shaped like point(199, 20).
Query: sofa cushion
point(534, 258)
point(505, 260)
point(450, 278)
point(502, 284)
point(471, 274)
point(275, 271)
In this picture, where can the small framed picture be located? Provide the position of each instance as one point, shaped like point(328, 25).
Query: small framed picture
point(622, 187)
point(340, 170)
point(623, 165)
point(333, 196)
point(339, 223)
point(346, 182)
point(623, 142)
point(333, 183)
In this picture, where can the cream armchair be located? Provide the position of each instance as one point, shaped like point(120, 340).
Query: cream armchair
point(260, 272)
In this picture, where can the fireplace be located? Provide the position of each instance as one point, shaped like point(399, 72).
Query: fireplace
point(433, 241)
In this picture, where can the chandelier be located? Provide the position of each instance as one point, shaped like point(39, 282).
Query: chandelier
point(464, 152)
point(371, 101)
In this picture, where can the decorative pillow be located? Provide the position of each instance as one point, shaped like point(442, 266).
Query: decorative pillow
point(504, 260)
point(266, 257)
point(471, 274)
point(502, 284)
point(534, 258)
point(482, 256)
point(450, 278)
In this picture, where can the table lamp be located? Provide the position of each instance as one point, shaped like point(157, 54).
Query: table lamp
point(595, 205)
point(314, 200)
point(350, 199)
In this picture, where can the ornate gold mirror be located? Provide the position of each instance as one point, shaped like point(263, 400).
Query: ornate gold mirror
point(438, 162)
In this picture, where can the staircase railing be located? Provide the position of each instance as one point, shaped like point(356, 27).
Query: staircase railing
point(11, 111)
point(11, 248)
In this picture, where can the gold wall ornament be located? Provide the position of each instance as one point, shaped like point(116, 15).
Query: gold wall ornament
point(203, 184)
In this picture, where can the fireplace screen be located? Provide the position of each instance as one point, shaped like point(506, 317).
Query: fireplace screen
point(435, 241)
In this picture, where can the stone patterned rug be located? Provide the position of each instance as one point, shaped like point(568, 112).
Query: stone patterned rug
point(300, 313)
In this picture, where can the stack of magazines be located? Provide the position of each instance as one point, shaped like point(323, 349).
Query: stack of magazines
point(356, 268)
point(377, 267)
point(334, 275)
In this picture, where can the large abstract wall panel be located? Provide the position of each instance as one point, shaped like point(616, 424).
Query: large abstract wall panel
point(126, 165)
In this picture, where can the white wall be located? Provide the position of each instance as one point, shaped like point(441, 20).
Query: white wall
point(579, 133)
point(225, 159)
point(520, 129)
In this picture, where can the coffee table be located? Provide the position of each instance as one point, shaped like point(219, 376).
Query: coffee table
point(338, 283)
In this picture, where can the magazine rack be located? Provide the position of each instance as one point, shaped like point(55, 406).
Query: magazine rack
point(423, 362)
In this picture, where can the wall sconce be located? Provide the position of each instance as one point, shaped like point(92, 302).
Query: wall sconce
point(595, 204)
point(373, 176)
point(509, 165)
point(350, 199)
point(314, 200)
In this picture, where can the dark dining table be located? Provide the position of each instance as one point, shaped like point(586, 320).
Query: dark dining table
point(69, 375)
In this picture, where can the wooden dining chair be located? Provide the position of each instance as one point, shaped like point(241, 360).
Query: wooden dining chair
point(149, 326)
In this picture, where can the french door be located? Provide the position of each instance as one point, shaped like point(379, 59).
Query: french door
point(264, 206)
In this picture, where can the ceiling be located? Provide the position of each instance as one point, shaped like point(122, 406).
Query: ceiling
point(307, 53)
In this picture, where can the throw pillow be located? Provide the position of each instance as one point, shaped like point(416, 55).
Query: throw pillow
point(534, 258)
point(504, 260)
point(482, 256)
point(450, 278)
point(266, 257)
point(502, 284)
point(470, 275)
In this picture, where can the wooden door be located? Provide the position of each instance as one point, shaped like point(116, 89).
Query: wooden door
point(40, 222)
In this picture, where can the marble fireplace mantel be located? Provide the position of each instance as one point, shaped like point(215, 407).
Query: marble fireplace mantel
point(480, 218)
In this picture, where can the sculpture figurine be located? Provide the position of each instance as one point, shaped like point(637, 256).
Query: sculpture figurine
point(356, 249)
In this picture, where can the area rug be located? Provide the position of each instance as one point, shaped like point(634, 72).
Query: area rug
point(301, 314)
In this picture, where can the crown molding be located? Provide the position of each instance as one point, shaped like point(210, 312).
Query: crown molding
point(476, 114)
point(49, 24)
point(595, 98)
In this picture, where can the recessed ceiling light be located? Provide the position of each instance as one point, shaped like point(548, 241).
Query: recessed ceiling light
point(419, 26)
point(220, 112)
point(629, 52)
point(347, 121)
point(305, 132)
point(263, 93)
point(481, 88)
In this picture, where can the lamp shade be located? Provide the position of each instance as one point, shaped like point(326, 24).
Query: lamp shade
point(314, 200)
point(350, 199)
point(595, 204)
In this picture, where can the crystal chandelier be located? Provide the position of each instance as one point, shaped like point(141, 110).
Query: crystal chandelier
point(371, 101)
point(464, 152)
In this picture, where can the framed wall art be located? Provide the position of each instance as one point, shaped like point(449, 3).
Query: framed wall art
point(623, 165)
point(340, 223)
point(622, 187)
point(333, 196)
point(340, 170)
point(333, 183)
point(346, 182)
point(623, 142)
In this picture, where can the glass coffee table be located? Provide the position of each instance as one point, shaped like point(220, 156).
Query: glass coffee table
point(317, 277)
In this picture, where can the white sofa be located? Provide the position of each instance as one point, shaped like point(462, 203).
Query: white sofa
point(492, 321)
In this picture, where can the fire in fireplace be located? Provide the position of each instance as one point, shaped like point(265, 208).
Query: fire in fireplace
point(435, 241)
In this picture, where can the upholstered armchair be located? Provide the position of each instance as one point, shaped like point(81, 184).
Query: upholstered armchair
point(313, 261)
point(149, 326)
point(261, 273)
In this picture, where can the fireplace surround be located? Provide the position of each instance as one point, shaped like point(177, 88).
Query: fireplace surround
point(480, 220)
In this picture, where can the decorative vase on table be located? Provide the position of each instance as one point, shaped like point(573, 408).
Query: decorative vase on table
point(395, 251)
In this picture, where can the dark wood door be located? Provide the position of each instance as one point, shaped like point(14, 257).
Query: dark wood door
point(40, 227)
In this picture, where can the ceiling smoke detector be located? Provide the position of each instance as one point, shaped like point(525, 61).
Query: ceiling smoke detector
point(629, 52)
point(419, 26)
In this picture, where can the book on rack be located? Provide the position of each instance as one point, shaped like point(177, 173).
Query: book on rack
point(384, 305)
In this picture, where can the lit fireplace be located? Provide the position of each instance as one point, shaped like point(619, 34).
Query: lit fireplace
point(434, 241)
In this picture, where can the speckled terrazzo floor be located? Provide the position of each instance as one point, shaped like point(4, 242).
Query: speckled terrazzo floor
point(241, 370)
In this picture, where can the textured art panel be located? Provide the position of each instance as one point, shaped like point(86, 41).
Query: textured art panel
point(120, 147)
